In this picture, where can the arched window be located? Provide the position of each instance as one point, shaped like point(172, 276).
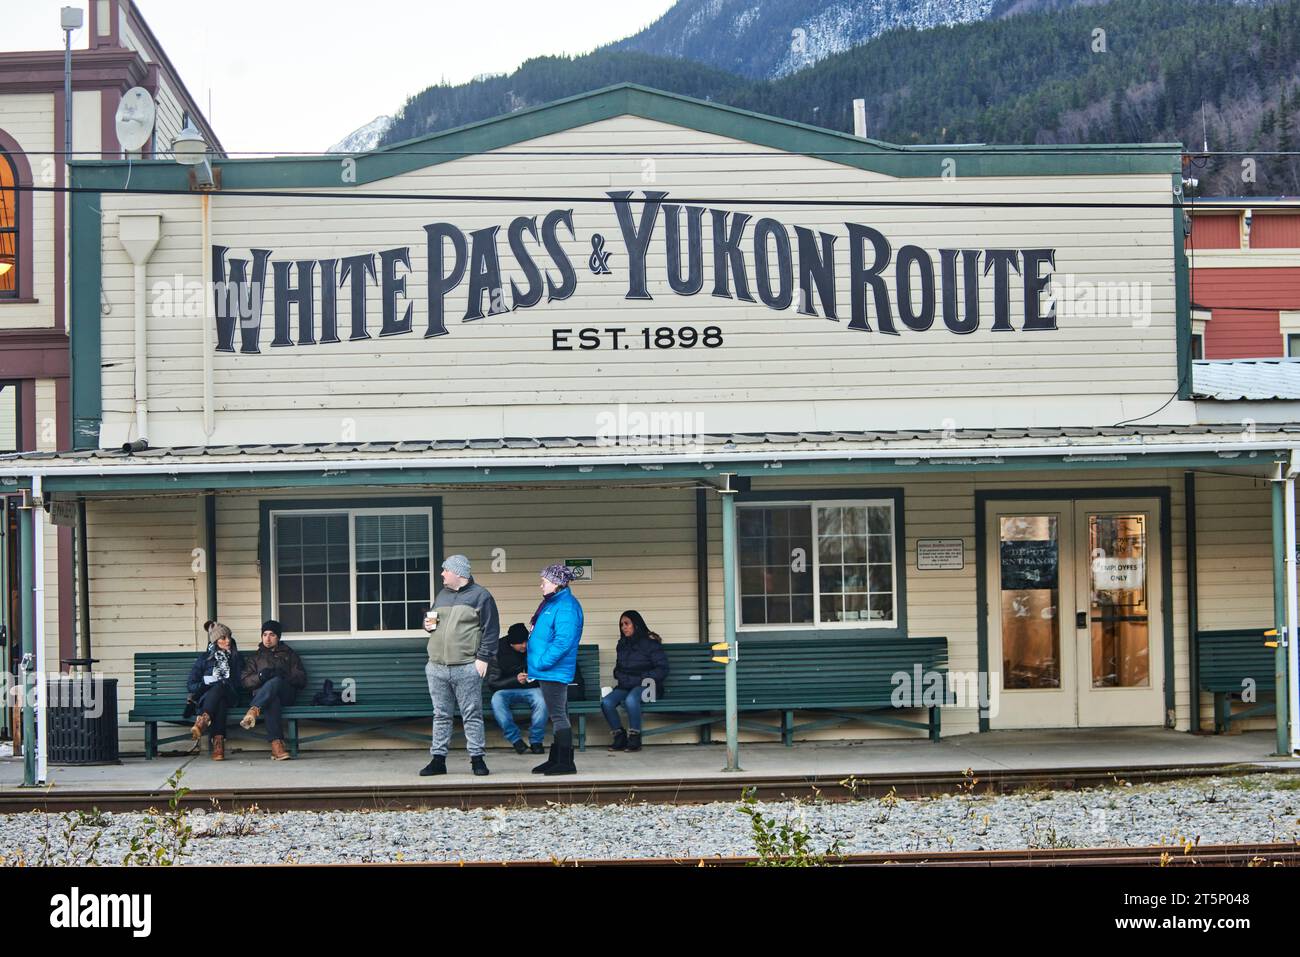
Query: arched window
point(9, 237)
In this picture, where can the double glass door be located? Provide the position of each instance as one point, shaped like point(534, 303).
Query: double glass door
point(1075, 634)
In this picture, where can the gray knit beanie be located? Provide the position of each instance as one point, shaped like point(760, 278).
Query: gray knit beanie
point(457, 565)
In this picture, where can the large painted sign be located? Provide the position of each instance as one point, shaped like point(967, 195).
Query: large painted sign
point(794, 267)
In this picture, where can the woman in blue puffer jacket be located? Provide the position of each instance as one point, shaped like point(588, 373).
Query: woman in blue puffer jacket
point(553, 659)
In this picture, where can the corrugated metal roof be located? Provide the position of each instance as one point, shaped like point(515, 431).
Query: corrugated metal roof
point(1255, 379)
point(961, 441)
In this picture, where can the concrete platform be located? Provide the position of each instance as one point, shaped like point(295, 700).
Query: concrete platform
point(989, 754)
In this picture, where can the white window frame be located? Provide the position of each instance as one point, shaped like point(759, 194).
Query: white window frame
point(351, 514)
point(881, 624)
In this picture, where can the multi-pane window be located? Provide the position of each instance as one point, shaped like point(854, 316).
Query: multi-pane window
point(776, 574)
point(392, 571)
point(357, 571)
point(1293, 346)
point(818, 564)
point(8, 227)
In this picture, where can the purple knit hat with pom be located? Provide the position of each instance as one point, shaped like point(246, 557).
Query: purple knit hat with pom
point(558, 574)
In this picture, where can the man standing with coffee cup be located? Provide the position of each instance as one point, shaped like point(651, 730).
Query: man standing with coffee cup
point(463, 629)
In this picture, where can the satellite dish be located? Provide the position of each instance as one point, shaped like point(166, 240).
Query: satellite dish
point(135, 119)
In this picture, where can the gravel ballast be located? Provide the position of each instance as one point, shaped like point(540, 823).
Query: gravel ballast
point(1226, 810)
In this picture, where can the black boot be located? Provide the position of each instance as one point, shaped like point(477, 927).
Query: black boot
point(478, 765)
point(520, 747)
point(548, 763)
point(563, 754)
point(620, 740)
point(634, 741)
point(437, 766)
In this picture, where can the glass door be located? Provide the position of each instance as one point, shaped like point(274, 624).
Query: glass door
point(1074, 617)
point(1121, 647)
point(1031, 607)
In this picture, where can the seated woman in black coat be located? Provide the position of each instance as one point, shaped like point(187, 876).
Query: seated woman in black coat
point(214, 685)
point(639, 672)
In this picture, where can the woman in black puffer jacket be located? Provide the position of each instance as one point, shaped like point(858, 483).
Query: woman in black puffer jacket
point(639, 672)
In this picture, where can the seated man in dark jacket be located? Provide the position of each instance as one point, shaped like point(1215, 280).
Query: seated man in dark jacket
point(507, 677)
point(275, 675)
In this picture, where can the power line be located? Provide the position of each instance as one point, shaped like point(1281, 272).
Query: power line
point(899, 151)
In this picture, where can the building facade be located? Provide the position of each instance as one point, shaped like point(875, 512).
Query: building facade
point(762, 381)
point(121, 53)
point(1245, 267)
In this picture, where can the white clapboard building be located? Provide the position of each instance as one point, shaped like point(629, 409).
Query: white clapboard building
point(762, 381)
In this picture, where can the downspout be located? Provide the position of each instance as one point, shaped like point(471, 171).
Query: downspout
point(1193, 623)
point(1292, 614)
point(728, 495)
point(139, 236)
point(28, 661)
point(38, 614)
point(1279, 605)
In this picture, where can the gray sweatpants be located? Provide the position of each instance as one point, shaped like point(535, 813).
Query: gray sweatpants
point(449, 687)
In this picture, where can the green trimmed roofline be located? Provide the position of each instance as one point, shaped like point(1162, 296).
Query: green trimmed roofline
point(629, 99)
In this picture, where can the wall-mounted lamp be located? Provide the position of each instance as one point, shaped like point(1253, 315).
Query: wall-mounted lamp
point(190, 149)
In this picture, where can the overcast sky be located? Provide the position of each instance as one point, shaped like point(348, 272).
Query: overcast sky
point(290, 75)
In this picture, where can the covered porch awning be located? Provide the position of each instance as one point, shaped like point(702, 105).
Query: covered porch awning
point(566, 459)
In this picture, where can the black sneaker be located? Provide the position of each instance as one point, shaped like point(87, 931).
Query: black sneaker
point(437, 766)
point(634, 741)
point(537, 748)
point(620, 740)
point(478, 765)
point(520, 747)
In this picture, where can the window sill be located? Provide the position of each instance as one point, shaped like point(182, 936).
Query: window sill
point(9, 301)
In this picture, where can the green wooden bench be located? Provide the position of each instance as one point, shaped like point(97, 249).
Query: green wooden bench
point(849, 679)
point(1228, 661)
point(387, 676)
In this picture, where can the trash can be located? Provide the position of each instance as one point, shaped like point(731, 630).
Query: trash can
point(81, 712)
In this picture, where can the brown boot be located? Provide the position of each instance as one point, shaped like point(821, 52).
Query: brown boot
point(250, 718)
point(278, 751)
point(200, 725)
point(218, 747)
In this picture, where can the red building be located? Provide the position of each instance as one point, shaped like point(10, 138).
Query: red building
point(1244, 255)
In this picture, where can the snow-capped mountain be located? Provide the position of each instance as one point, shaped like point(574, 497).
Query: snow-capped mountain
point(765, 39)
point(363, 138)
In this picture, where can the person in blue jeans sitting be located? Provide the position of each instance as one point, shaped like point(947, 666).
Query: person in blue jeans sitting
point(640, 668)
point(508, 679)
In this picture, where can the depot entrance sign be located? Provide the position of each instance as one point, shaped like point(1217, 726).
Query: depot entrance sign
point(893, 289)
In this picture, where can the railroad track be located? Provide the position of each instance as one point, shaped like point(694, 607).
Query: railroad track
point(473, 794)
point(1219, 855)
